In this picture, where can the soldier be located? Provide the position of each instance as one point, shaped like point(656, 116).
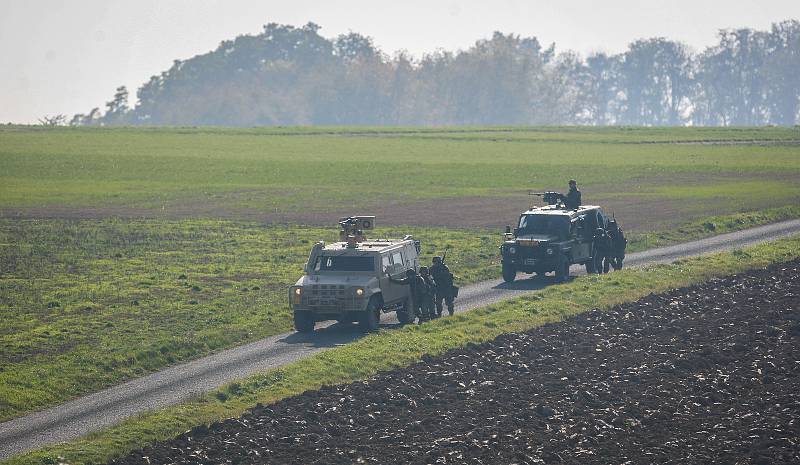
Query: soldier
point(444, 285)
point(602, 243)
point(418, 288)
point(428, 305)
point(618, 244)
point(573, 198)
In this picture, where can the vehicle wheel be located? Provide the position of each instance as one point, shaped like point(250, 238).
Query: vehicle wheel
point(304, 322)
point(368, 321)
point(509, 273)
point(404, 316)
point(562, 273)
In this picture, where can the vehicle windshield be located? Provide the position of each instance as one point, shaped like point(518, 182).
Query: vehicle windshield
point(344, 263)
point(544, 224)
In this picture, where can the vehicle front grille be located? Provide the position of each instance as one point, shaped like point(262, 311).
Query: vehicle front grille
point(531, 252)
point(327, 291)
point(330, 297)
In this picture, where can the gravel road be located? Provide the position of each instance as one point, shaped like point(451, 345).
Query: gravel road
point(178, 383)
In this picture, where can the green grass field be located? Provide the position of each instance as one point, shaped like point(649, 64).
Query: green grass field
point(288, 175)
point(126, 250)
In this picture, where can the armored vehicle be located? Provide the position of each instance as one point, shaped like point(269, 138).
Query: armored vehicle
point(551, 238)
point(349, 280)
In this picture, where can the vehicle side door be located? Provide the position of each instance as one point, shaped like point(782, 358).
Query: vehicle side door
point(393, 292)
point(388, 288)
point(584, 237)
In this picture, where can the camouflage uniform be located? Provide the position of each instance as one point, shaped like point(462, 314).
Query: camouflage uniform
point(602, 243)
point(444, 285)
point(418, 291)
point(427, 305)
point(573, 199)
point(618, 244)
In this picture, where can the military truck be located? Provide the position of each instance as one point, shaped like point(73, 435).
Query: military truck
point(551, 238)
point(349, 280)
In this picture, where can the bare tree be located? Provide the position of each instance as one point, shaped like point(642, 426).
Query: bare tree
point(55, 120)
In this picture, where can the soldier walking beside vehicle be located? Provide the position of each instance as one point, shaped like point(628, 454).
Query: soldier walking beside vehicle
point(445, 291)
point(418, 291)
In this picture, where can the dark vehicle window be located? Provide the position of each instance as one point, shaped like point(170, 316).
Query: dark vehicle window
point(544, 224)
point(344, 263)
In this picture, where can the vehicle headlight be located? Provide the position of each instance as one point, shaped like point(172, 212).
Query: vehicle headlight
point(298, 294)
point(359, 292)
point(512, 250)
point(550, 251)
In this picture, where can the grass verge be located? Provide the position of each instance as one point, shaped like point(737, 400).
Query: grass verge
point(392, 349)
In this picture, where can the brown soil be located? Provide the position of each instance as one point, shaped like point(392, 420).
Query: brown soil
point(705, 374)
point(635, 214)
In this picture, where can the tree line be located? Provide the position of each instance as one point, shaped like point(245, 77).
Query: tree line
point(293, 76)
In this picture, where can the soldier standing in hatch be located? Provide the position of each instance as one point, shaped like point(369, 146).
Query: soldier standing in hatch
point(418, 288)
point(444, 285)
point(573, 198)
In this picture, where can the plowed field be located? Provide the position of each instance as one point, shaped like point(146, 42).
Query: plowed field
point(705, 374)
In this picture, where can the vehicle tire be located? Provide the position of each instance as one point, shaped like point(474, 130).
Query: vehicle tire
point(562, 272)
point(509, 273)
point(404, 316)
point(368, 321)
point(304, 322)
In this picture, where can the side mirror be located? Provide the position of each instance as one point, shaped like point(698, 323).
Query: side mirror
point(516, 232)
point(508, 229)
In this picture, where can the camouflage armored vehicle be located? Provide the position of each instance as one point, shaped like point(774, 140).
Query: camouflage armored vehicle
point(551, 238)
point(349, 280)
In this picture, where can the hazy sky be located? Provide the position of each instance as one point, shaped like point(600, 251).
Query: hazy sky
point(69, 56)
